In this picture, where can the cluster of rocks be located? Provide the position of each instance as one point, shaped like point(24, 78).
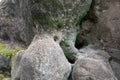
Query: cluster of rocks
point(49, 63)
point(58, 50)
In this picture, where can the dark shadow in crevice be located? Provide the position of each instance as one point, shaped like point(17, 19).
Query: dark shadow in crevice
point(70, 76)
point(72, 61)
point(80, 42)
point(82, 39)
point(5, 37)
point(91, 16)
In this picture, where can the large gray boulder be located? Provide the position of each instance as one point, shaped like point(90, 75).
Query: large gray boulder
point(43, 60)
point(92, 65)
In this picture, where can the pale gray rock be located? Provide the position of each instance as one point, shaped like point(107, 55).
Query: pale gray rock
point(43, 60)
point(92, 65)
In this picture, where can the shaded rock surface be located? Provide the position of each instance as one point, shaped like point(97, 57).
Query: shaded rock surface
point(101, 27)
point(92, 65)
point(5, 65)
point(41, 62)
point(61, 19)
point(116, 67)
point(15, 21)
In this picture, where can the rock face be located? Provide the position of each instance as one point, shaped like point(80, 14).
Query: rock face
point(101, 26)
point(61, 17)
point(15, 21)
point(41, 62)
point(55, 24)
point(92, 65)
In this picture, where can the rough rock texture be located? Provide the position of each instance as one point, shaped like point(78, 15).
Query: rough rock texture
point(89, 69)
point(56, 16)
point(116, 67)
point(61, 19)
point(102, 23)
point(55, 24)
point(101, 26)
point(92, 64)
point(5, 65)
point(15, 21)
point(41, 62)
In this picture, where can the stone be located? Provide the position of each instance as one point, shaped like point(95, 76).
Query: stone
point(92, 64)
point(92, 69)
point(43, 60)
point(5, 65)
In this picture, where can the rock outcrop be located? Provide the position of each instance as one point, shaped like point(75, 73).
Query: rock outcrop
point(56, 33)
point(41, 62)
point(15, 21)
point(101, 27)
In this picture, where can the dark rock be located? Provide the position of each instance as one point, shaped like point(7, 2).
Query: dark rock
point(5, 65)
point(15, 21)
point(115, 64)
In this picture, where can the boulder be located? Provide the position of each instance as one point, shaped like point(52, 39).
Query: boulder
point(43, 60)
point(92, 64)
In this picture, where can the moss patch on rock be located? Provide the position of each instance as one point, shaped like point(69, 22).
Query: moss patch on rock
point(2, 76)
point(8, 52)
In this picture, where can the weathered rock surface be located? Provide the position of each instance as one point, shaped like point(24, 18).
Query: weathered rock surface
point(92, 65)
point(116, 67)
point(5, 65)
point(61, 17)
point(43, 60)
point(102, 27)
point(15, 21)
point(56, 16)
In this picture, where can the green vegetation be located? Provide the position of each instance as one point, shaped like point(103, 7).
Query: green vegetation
point(2, 76)
point(2, 46)
point(69, 55)
point(8, 52)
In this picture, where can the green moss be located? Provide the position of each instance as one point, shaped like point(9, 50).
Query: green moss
point(69, 55)
point(10, 52)
point(6, 53)
point(2, 76)
point(2, 46)
point(84, 11)
point(13, 51)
